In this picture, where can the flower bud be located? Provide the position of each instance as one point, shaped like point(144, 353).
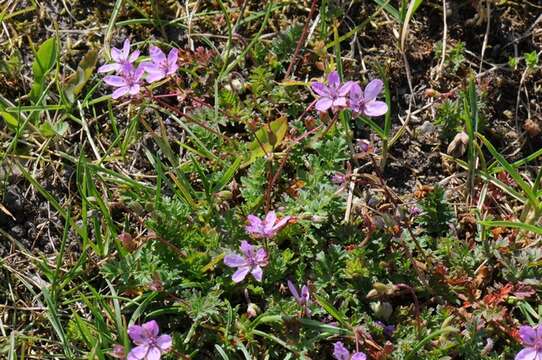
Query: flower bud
point(253, 310)
point(382, 309)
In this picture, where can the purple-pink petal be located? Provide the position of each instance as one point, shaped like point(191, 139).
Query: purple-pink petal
point(355, 92)
point(151, 328)
point(320, 89)
point(157, 55)
point(373, 89)
point(240, 274)
point(340, 352)
point(529, 354)
point(164, 342)
point(323, 104)
point(261, 256)
point(359, 356)
point(139, 73)
point(116, 55)
point(528, 335)
point(375, 108)
point(153, 75)
point(346, 88)
point(137, 334)
point(339, 102)
point(109, 67)
point(293, 290)
point(154, 353)
point(133, 56)
point(134, 89)
point(120, 92)
point(270, 218)
point(246, 248)
point(115, 80)
point(333, 80)
point(172, 57)
point(282, 222)
point(254, 220)
point(139, 352)
point(234, 260)
point(257, 272)
point(305, 294)
point(126, 49)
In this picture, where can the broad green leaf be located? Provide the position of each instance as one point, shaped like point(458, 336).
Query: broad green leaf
point(9, 119)
point(77, 81)
point(267, 139)
point(44, 62)
point(51, 130)
point(45, 58)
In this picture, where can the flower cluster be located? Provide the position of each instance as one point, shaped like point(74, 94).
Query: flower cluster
point(252, 261)
point(129, 77)
point(337, 96)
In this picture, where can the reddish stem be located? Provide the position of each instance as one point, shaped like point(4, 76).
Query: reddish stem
point(301, 39)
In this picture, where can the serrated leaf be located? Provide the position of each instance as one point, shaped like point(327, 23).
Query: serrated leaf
point(77, 81)
point(267, 139)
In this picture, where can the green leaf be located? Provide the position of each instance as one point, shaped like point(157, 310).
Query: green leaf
point(9, 119)
point(393, 12)
point(511, 171)
point(513, 224)
point(267, 139)
point(322, 327)
point(77, 81)
point(51, 130)
point(374, 126)
point(221, 352)
point(44, 62)
point(227, 176)
point(331, 310)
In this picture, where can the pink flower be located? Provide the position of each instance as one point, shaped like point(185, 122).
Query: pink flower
point(150, 346)
point(333, 95)
point(531, 337)
point(266, 228)
point(302, 299)
point(252, 262)
point(341, 353)
point(160, 65)
point(122, 57)
point(338, 178)
point(128, 82)
point(364, 102)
